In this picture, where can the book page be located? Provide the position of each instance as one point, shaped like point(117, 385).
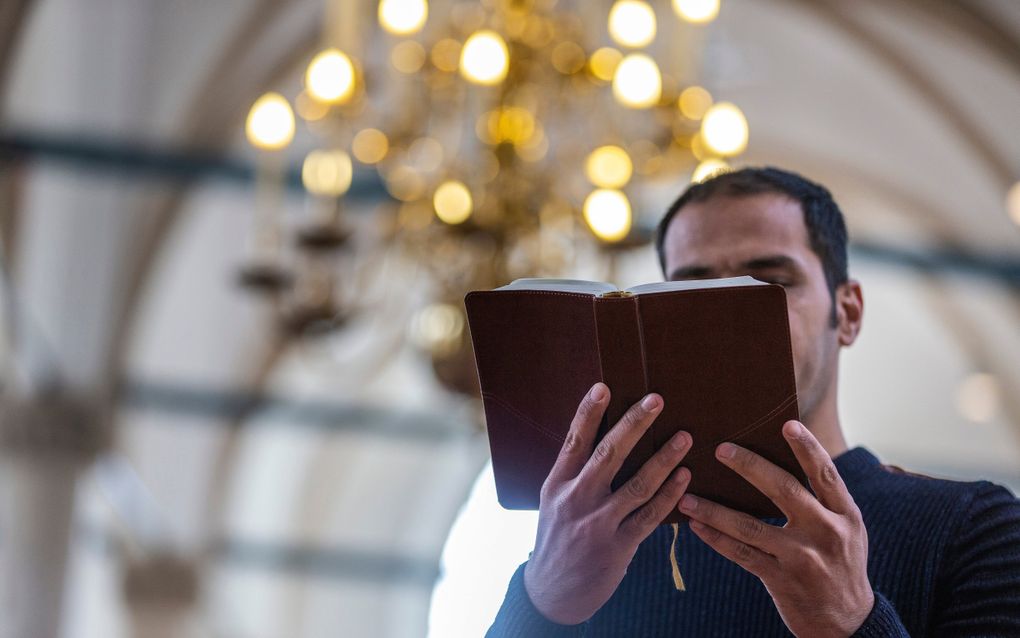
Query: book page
point(561, 285)
point(695, 284)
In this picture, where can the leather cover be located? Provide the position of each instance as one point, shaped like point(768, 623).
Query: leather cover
point(720, 357)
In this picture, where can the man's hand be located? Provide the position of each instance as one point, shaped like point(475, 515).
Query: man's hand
point(588, 534)
point(815, 566)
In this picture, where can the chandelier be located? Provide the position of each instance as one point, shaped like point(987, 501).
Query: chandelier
point(511, 136)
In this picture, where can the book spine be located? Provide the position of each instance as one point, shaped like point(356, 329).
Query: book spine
point(623, 370)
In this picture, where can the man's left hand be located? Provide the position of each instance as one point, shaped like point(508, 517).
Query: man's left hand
point(815, 566)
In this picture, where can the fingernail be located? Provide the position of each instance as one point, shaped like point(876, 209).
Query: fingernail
point(650, 402)
point(688, 503)
point(696, 526)
point(795, 429)
point(679, 440)
point(598, 392)
point(726, 450)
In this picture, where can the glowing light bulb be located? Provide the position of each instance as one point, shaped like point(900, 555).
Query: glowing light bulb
point(452, 201)
point(637, 82)
point(484, 59)
point(402, 17)
point(330, 77)
point(694, 102)
point(608, 214)
point(270, 123)
point(370, 146)
point(327, 173)
point(608, 167)
point(724, 129)
point(1013, 203)
point(708, 169)
point(632, 23)
point(697, 11)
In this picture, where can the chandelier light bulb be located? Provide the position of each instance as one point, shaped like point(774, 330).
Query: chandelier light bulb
point(608, 214)
point(402, 17)
point(484, 59)
point(724, 129)
point(1013, 203)
point(330, 77)
point(709, 168)
point(632, 23)
point(608, 167)
point(637, 82)
point(327, 173)
point(452, 201)
point(270, 123)
point(697, 11)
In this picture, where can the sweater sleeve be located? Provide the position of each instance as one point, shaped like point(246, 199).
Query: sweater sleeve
point(882, 622)
point(518, 617)
point(979, 591)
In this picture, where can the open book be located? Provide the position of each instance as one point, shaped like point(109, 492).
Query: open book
point(717, 350)
point(603, 289)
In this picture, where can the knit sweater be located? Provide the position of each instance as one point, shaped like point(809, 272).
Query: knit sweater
point(943, 560)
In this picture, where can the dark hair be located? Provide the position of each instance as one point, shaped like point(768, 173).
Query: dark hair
point(822, 217)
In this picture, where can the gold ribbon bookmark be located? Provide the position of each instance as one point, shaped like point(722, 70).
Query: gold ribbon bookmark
point(678, 580)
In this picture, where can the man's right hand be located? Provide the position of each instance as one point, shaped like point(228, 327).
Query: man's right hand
point(587, 533)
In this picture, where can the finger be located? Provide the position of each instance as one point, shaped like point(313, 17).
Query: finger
point(781, 487)
point(607, 458)
point(821, 471)
point(639, 524)
point(581, 437)
point(646, 482)
point(738, 525)
point(753, 560)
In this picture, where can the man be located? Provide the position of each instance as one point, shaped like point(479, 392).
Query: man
point(873, 551)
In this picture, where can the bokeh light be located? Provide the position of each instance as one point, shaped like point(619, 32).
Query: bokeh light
point(697, 11)
point(632, 23)
point(330, 77)
point(709, 168)
point(484, 58)
point(694, 102)
point(724, 129)
point(608, 214)
point(608, 167)
point(270, 123)
point(603, 63)
point(327, 173)
point(402, 17)
point(452, 201)
point(637, 82)
point(370, 146)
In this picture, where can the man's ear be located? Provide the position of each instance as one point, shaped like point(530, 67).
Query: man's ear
point(849, 311)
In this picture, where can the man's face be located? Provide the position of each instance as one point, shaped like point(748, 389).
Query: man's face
point(763, 236)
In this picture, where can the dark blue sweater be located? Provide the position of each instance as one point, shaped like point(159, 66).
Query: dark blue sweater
point(943, 559)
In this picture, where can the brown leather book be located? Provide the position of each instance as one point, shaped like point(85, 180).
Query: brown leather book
point(717, 350)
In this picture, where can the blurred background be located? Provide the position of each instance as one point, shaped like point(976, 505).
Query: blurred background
point(237, 396)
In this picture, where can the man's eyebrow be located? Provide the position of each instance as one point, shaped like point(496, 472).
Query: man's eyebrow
point(758, 263)
point(771, 261)
point(690, 271)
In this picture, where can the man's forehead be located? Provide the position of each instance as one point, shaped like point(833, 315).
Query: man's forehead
point(735, 228)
